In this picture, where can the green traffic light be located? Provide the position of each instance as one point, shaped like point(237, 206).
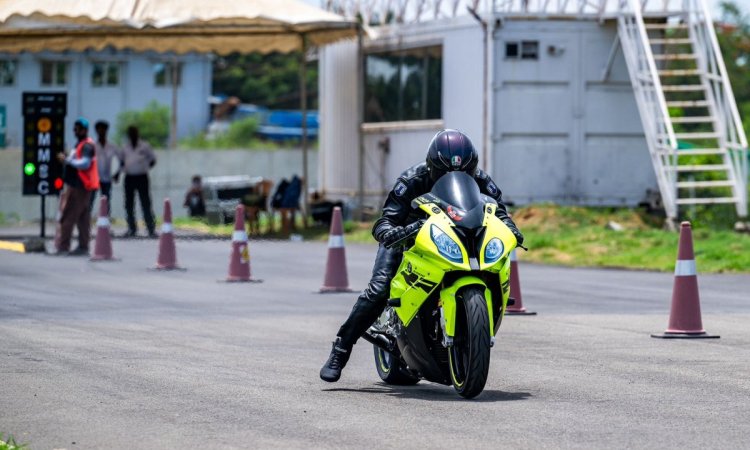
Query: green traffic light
point(29, 169)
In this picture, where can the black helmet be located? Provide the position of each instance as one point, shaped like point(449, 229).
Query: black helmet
point(449, 151)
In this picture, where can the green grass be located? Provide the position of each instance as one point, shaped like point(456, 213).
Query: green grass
point(9, 443)
point(8, 219)
point(355, 232)
point(201, 226)
point(576, 236)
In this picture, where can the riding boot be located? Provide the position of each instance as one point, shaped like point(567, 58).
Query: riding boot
point(331, 370)
point(366, 310)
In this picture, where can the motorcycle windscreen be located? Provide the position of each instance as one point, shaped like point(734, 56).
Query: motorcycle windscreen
point(460, 199)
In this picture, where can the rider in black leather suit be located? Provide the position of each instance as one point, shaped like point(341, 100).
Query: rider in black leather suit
point(449, 150)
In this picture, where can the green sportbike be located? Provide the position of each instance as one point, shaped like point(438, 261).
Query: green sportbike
point(449, 295)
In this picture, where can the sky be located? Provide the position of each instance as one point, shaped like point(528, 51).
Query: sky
point(744, 4)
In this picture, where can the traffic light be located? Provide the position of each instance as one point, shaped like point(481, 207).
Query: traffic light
point(44, 131)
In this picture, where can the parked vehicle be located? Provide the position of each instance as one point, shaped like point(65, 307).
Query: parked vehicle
point(222, 194)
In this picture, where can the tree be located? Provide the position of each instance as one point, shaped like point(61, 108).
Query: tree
point(733, 33)
point(267, 80)
point(152, 122)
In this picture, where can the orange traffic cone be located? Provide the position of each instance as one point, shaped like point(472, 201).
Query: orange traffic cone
point(239, 260)
point(167, 258)
point(103, 244)
point(517, 308)
point(336, 278)
point(685, 314)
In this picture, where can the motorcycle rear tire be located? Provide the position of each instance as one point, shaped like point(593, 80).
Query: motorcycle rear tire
point(391, 370)
point(469, 356)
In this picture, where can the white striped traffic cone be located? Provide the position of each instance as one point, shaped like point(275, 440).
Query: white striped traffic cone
point(167, 257)
point(239, 260)
point(517, 308)
point(103, 244)
point(336, 278)
point(685, 313)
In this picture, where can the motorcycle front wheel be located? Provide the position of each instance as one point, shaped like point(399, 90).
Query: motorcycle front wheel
point(469, 356)
point(391, 370)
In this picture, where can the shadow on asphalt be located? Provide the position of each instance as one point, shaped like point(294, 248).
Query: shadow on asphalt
point(433, 393)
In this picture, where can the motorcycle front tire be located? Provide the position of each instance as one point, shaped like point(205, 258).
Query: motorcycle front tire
point(469, 356)
point(391, 370)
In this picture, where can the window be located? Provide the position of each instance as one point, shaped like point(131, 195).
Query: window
point(7, 73)
point(530, 50)
point(105, 73)
point(54, 73)
point(511, 50)
point(522, 50)
point(165, 71)
point(404, 85)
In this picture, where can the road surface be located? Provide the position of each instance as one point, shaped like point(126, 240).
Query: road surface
point(115, 356)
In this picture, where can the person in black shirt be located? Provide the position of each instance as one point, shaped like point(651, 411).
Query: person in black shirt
point(194, 201)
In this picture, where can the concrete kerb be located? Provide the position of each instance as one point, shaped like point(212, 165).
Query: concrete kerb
point(27, 245)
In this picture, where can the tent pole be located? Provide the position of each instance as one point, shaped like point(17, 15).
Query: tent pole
point(303, 110)
point(173, 116)
point(360, 119)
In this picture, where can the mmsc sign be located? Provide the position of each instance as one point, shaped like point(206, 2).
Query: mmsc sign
point(43, 138)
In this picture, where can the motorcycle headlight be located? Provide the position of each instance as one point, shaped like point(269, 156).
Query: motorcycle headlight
point(493, 250)
point(445, 245)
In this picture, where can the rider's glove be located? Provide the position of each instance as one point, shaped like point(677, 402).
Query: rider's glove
point(397, 234)
point(518, 235)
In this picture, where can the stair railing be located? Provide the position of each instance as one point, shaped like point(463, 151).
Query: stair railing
point(652, 104)
point(720, 96)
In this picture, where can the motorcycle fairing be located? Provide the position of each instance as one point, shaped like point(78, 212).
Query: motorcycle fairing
point(423, 268)
point(449, 303)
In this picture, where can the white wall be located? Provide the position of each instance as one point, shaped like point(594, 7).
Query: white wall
point(558, 131)
point(339, 109)
point(136, 89)
point(169, 178)
point(462, 83)
point(461, 107)
point(408, 146)
point(563, 133)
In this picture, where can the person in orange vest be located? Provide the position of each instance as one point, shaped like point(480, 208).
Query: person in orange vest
point(81, 177)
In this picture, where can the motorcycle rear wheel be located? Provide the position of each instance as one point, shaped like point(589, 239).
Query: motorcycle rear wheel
point(391, 370)
point(469, 356)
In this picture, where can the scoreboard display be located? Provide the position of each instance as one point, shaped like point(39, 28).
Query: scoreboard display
point(43, 138)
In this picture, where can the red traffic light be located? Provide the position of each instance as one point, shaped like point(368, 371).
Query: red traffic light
point(58, 183)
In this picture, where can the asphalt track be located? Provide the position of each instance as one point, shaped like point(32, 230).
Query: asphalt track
point(112, 355)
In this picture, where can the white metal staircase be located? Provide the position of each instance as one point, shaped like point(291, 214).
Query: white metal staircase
point(688, 110)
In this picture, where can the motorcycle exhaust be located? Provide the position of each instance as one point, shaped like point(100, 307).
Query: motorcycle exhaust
point(375, 337)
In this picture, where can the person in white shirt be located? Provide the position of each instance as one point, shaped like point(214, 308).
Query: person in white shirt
point(106, 151)
point(137, 159)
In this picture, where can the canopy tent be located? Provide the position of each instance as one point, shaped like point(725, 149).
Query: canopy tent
point(173, 26)
point(179, 26)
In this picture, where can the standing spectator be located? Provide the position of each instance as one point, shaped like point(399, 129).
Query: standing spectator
point(105, 151)
point(137, 158)
point(194, 201)
point(81, 178)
